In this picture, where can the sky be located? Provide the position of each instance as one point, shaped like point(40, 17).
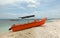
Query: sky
point(39, 8)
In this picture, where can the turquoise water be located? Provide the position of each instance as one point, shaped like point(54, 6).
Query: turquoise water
point(5, 24)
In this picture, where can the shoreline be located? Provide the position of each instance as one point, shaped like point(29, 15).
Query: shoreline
point(48, 30)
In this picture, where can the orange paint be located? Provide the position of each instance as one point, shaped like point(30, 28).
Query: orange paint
point(18, 27)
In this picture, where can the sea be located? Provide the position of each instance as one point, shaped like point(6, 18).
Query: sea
point(5, 24)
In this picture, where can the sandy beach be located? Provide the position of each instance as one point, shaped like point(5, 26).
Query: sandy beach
point(48, 30)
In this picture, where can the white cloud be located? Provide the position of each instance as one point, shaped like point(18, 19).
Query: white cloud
point(31, 3)
point(4, 2)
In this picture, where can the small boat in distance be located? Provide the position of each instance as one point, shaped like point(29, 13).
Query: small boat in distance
point(22, 18)
point(14, 19)
point(26, 16)
point(19, 27)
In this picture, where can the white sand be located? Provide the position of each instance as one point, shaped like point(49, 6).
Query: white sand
point(49, 30)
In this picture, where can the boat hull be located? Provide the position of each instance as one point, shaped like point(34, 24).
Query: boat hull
point(18, 27)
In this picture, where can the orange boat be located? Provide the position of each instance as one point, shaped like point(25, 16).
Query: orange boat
point(18, 27)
